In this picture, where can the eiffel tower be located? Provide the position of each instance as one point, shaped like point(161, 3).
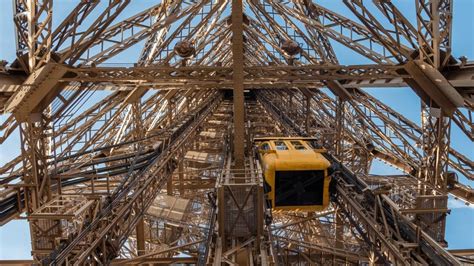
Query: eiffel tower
point(153, 161)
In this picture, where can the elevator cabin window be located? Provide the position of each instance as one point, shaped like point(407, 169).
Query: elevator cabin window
point(299, 188)
point(298, 145)
point(265, 147)
point(280, 145)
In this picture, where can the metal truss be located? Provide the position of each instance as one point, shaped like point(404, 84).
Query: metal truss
point(393, 224)
point(33, 21)
point(152, 161)
point(208, 77)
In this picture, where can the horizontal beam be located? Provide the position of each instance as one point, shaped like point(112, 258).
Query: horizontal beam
point(266, 76)
point(10, 82)
point(462, 252)
point(221, 77)
point(38, 86)
point(462, 192)
point(431, 85)
point(460, 81)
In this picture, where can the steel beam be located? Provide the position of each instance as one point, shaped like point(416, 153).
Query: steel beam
point(238, 82)
point(33, 21)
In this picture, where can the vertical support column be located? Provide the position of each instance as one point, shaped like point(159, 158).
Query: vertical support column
point(138, 134)
point(434, 20)
point(31, 34)
point(35, 151)
point(308, 113)
point(141, 237)
point(436, 131)
point(339, 140)
point(221, 215)
point(33, 20)
point(238, 79)
point(171, 107)
point(181, 176)
point(169, 186)
point(260, 214)
point(436, 135)
point(339, 224)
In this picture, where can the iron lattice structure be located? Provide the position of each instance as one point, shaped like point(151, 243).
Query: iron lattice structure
point(153, 162)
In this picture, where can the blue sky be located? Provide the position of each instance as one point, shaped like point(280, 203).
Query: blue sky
point(15, 239)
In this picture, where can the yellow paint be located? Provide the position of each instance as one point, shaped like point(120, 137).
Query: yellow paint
point(292, 160)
